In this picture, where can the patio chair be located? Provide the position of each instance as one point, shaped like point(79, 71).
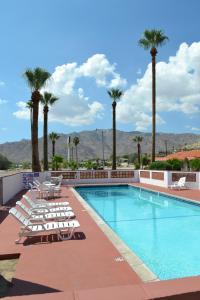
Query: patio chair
point(34, 216)
point(179, 184)
point(30, 229)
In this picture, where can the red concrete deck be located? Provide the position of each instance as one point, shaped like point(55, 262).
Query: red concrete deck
point(83, 268)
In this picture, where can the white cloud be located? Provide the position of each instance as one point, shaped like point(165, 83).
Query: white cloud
point(3, 101)
point(2, 83)
point(178, 89)
point(74, 107)
point(195, 129)
point(23, 112)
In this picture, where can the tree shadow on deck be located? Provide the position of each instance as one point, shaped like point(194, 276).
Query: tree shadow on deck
point(4, 209)
point(21, 288)
point(52, 238)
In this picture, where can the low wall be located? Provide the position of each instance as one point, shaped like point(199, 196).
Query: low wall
point(192, 178)
point(167, 178)
point(159, 178)
point(97, 176)
point(10, 186)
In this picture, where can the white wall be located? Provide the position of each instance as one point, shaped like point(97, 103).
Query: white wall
point(192, 185)
point(163, 183)
point(12, 184)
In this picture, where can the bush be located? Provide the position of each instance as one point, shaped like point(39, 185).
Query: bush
point(145, 160)
point(4, 163)
point(176, 164)
point(137, 166)
point(160, 165)
point(56, 161)
point(195, 164)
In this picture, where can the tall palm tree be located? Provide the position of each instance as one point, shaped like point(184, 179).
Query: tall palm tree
point(36, 80)
point(53, 137)
point(115, 94)
point(29, 105)
point(46, 99)
point(76, 142)
point(138, 139)
point(152, 39)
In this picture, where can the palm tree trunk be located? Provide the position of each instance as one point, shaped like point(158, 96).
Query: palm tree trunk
point(76, 154)
point(45, 139)
point(139, 155)
point(35, 152)
point(114, 136)
point(53, 148)
point(153, 53)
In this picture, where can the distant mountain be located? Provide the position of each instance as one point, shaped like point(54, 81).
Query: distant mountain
point(91, 144)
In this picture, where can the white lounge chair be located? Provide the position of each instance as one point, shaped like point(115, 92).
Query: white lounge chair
point(43, 201)
point(34, 216)
point(179, 184)
point(44, 228)
point(44, 207)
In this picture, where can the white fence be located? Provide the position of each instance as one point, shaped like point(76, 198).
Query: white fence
point(12, 184)
point(166, 178)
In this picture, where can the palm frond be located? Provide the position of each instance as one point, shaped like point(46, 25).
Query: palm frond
point(29, 104)
point(153, 38)
point(53, 136)
point(115, 94)
point(76, 140)
point(36, 78)
point(138, 139)
point(48, 99)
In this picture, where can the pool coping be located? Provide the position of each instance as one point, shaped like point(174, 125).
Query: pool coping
point(180, 198)
point(137, 265)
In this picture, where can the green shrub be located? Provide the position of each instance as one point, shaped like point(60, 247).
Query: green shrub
point(145, 160)
point(195, 164)
point(137, 166)
point(4, 163)
point(160, 165)
point(176, 164)
point(56, 161)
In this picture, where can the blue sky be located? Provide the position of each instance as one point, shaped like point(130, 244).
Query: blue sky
point(99, 34)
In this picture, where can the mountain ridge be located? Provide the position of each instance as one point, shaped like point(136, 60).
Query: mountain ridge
point(91, 144)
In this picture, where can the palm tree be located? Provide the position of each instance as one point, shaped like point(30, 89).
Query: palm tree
point(138, 140)
point(46, 99)
point(152, 39)
point(29, 105)
point(36, 80)
point(115, 94)
point(53, 137)
point(76, 142)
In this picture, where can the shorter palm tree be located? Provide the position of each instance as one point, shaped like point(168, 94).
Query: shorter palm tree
point(115, 94)
point(53, 137)
point(76, 142)
point(46, 99)
point(138, 140)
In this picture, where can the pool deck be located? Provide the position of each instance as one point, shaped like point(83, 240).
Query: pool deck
point(84, 268)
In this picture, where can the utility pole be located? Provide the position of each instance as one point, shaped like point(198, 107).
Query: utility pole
point(166, 152)
point(102, 144)
point(68, 148)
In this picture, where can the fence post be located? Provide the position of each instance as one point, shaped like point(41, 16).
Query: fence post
point(1, 191)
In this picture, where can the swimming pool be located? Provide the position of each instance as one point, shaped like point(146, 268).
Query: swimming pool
point(163, 231)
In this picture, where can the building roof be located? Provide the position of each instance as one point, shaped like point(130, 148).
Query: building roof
point(181, 155)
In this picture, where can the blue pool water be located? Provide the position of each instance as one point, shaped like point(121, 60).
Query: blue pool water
point(163, 231)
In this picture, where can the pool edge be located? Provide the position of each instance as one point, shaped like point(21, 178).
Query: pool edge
point(137, 265)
